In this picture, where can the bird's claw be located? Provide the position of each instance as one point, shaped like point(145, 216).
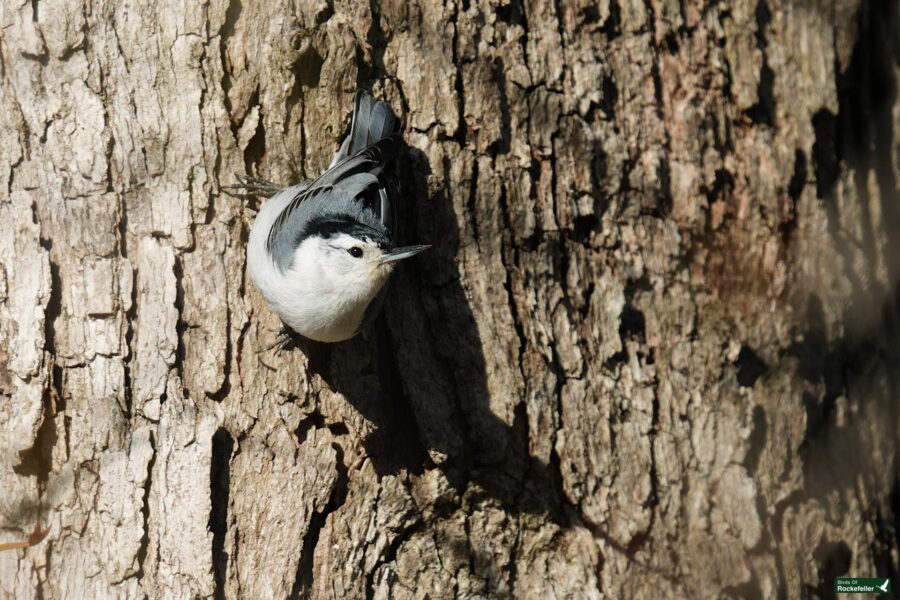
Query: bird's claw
point(284, 342)
point(251, 187)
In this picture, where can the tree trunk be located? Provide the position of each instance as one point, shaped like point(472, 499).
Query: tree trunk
point(653, 352)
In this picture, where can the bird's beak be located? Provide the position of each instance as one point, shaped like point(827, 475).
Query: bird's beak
point(401, 253)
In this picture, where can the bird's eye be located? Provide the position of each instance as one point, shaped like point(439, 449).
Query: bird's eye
point(355, 252)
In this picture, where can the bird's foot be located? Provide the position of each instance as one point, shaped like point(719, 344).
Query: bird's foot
point(284, 342)
point(251, 187)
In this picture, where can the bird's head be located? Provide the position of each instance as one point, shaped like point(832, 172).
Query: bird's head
point(352, 258)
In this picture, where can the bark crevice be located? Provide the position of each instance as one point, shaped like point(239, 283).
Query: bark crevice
point(220, 487)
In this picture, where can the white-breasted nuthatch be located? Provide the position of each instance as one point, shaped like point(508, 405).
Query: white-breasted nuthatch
point(321, 252)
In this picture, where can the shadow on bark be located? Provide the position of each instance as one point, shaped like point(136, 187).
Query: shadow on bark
point(430, 404)
point(219, 488)
point(860, 366)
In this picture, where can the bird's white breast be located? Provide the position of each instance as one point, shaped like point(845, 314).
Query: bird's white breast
point(306, 301)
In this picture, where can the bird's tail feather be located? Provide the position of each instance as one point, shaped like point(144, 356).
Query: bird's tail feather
point(383, 122)
point(373, 120)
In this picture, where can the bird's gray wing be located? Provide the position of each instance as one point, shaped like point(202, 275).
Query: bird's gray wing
point(354, 185)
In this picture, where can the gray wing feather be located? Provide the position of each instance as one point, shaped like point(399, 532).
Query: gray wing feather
point(383, 123)
point(362, 117)
point(356, 185)
point(369, 161)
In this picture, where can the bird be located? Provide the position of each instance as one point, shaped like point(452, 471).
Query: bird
point(321, 252)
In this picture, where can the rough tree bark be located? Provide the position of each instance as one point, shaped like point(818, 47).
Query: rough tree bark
point(653, 353)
